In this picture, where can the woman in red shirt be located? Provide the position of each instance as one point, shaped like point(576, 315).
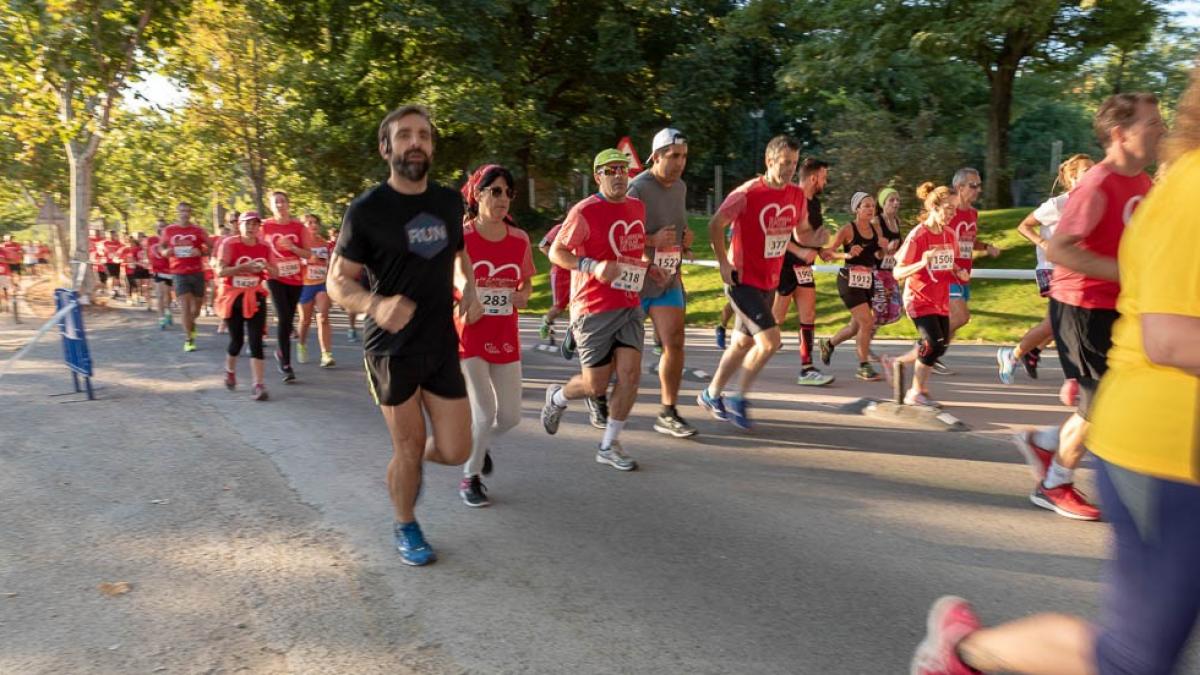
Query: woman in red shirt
point(314, 296)
point(242, 299)
point(490, 349)
point(928, 262)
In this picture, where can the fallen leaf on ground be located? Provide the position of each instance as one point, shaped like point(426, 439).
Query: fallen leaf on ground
point(113, 589)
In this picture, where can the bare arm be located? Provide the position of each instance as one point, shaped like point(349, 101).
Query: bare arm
point(344, 288)
point(1170, 340)
point(1063, 249)
point(469, 306)
point(1029, 228)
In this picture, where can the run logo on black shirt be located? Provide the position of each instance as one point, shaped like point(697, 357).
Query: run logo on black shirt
point(408, 244)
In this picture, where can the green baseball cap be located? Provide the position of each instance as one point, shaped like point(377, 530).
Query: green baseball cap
point(609, 156)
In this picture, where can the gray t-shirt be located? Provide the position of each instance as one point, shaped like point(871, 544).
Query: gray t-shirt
point(665, 207)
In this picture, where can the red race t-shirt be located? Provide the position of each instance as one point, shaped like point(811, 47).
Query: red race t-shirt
point(128, 255)
point(186, 243)
point(12, 252)
point(316, 268)
point(500, 267)
point(965, 226)
point(237, 252)
point(1098, 209)
point(763, 221)
point(111, 251)
point(602, 230)
point(548, 240)
point(158, 263)
point(288, 265)
point(928, 291)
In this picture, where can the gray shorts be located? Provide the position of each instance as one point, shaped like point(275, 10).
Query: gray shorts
point(190, 284)
point(597, 336)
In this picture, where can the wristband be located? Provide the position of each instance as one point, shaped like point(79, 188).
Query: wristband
point(587, 265)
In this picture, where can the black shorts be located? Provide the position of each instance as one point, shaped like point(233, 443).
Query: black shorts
point(113, 270)
point(394, 379)
point(788, 282)
point(16, 268)
point(164, 279)
point(752, 307)
point(141, 273)
point(1084, 337)
point(852, 297)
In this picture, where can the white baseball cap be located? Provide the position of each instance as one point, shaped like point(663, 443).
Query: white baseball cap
point(667, 137)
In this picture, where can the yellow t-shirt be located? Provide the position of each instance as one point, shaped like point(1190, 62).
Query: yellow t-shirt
point(1146, 417)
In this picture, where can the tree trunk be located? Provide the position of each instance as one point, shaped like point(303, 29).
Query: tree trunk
point(997, 177)
point(81, 157)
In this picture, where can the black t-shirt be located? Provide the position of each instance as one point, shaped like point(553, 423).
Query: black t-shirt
point(815, 222)
point(408, 244)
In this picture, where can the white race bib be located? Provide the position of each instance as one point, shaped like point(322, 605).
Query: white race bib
point(668, 258)
point(631, 275)
point(186, 252)
point(776, 244)
point(317, 272)
point(860, 277)
point(888, 262)
point(966, 248)
point(804, 274)
point(942, 259)
point(240, 281)
point(496, 296)
point(288, 268)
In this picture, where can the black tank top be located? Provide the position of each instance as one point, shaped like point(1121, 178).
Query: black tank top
point(866, 257)
point(889, 236)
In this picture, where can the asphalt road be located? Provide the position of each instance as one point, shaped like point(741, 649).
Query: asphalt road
point(814, 544)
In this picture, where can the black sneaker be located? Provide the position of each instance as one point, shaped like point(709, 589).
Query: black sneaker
point(598, 412)
point(1030, 360)
point(487, 463)
point(826, 348)
point(472, 492)
point(940, 368)
point(289, 375)
point(672, 424)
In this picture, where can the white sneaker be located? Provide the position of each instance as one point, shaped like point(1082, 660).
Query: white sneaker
point(615, 457)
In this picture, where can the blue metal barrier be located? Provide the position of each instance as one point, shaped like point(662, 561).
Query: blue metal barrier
point(74, 339)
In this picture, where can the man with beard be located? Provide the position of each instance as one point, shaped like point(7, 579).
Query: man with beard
point(407, 234)
point(797, 282)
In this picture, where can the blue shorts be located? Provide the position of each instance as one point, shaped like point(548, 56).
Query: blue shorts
point(310, 293)
point(672, 297)
point(960, 292)
point(1152, 596)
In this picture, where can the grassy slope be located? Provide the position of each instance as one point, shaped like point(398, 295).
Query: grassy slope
point(1002, 310)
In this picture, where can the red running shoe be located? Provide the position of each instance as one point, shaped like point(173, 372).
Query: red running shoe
point(230, 381)
point(1066, 501)
point(1038, 458)
point(950, 620)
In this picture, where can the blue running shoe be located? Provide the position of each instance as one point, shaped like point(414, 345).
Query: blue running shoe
point(721, 338)
point(714, 406)
point(1006, 364)
point(737, 412)
point(411, 544)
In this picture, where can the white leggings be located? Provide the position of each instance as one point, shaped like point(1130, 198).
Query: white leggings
point(487, 384)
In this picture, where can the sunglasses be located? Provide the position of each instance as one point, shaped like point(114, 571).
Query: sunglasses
point(613, 171)
point(495, 191)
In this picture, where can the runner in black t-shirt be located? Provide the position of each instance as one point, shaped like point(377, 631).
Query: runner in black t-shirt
point(407, 234)
point(797, 281)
